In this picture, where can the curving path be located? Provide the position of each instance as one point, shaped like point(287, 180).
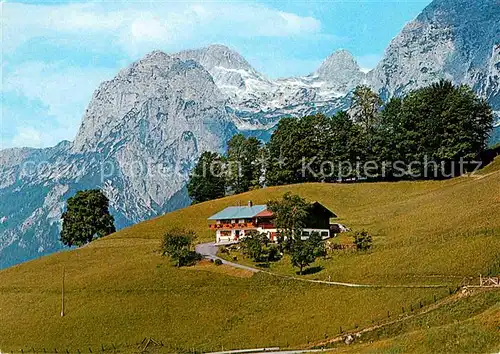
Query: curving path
point(209, 251)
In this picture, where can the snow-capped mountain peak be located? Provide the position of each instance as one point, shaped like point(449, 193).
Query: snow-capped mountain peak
point(216, 55)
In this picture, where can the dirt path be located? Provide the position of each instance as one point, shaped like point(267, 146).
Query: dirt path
point(209, 251)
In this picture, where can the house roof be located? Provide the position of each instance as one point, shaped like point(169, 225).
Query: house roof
point(265, 214)
point(238, 212)
point(324, 208)
point(245, 212)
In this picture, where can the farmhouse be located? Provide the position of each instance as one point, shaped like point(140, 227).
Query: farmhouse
point(232, 223)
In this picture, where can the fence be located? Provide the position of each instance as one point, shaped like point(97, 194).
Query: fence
point(489, 281)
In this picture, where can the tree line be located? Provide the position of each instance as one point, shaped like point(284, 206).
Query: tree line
point(432, 133)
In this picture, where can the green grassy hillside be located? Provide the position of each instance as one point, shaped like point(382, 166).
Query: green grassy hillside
point(120, 290)
point(464, 324)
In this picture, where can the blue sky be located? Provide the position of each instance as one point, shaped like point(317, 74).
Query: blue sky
point(55, 53)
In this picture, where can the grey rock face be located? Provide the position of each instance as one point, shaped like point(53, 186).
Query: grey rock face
point(140, 136)
point(341, 70)
point(458, 40)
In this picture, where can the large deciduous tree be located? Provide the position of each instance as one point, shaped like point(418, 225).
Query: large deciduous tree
point(302, 254)
point(243, 168)
point(365, 106)
point(439, 123)
point(291, 214)
point(207, 180)
point(86, 218)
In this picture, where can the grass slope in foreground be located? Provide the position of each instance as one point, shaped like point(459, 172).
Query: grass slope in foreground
point(120, 290)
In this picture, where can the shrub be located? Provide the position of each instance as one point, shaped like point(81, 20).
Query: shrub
point(253, 245)
point(363, 241)
point(177, 244)
point(218, 262)
point(273, 253)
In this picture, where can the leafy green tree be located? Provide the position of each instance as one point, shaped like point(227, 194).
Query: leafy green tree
point(365, 106)
point(302, 254)
point(297, 143)
point(364, 110)
point(439, 123)
point(314, 149)
point(177, 244)
point(291, 214)
point(244, 171)
point(273, 253)
point(316, 242)
point(363, 241)
point(86, 218)
point(207, 180)
point(345, 146)
point(253, 245)
point(284, 158)
point(389, 137)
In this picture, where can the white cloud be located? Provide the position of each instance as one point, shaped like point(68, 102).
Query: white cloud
point(125, 30)
point(21, 22)
point(136, 24)
point(27, 136)
point(59, 87)
point(297, 25)
point(63, 91)
point(148, 29)
point(368, 62)
point(39, 136)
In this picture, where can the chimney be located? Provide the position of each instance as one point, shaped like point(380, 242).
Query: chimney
point(250, 204)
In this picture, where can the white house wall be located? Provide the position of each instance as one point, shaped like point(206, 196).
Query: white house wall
point(268, 232)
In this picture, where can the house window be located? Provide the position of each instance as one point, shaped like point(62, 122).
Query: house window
point(241, 221)
point(324, 234)
point(218, 222)
point(305, 233)
point(233, 221)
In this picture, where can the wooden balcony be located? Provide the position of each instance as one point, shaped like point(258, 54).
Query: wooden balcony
point(267, 225)
point(237, 226)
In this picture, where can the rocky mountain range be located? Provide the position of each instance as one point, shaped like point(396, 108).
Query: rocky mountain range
point(144, 130)
point(258, 102)
point(140, 136)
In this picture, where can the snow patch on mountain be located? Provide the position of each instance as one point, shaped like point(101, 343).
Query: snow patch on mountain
point(258, 102)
